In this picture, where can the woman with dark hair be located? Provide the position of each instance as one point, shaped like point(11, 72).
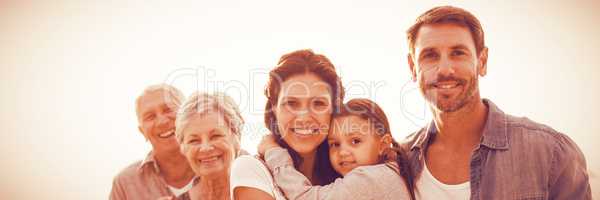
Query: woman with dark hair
point(302, 93)
point(361, 149)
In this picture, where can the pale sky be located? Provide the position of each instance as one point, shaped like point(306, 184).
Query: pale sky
point(70, 71)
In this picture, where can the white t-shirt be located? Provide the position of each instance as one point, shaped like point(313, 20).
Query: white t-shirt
point(429, 188)
point(179, 191)
point(248, 171)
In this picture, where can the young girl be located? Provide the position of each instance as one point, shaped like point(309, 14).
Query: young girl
point(361, 149)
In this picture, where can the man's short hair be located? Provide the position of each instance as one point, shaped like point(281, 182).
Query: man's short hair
point(443, 15)
point(175, 95)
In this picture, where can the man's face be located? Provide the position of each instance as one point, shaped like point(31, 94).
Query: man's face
point(156, 120)
point(446, 66)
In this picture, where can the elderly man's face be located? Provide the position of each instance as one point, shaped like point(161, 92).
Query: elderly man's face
point(209, 144)
point(156, 119)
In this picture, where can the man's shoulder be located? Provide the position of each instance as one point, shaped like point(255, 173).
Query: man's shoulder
point(533, 133)
point(408, 141)
point(528, 125)
point(130, 171)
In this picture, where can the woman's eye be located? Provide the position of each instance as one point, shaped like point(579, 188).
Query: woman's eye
point(356, 141)
point(193, 141)
point(290, 103)
point(320, 103)
point(216, 136)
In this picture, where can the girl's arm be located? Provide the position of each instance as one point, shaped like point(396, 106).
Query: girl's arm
point(367, 182)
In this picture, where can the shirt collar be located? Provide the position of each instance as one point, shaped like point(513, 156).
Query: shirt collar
point(495, 131)
point(149, 161)
point(424, 135)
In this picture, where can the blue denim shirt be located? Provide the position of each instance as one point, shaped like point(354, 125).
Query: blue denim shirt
point(516, 159)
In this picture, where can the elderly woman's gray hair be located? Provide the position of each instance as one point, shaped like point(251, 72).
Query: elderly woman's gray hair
point(202, 103)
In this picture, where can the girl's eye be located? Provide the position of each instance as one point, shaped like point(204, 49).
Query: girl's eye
point(356, 141)
point(334, 144)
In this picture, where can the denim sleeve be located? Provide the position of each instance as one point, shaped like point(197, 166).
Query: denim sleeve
point(568, 175)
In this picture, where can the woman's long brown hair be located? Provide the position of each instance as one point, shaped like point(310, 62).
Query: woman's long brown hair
point(295, 63)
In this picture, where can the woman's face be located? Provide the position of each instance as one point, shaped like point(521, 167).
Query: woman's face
point(303, 112)
point(208, 144)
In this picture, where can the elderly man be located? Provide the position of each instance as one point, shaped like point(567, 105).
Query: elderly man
point(164, 173)
point(471, 149)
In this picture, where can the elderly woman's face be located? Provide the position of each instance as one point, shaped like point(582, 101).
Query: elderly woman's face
point(303, 112)
point(209, 144)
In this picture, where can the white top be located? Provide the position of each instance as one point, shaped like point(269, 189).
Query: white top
point(429, 188)
point(248, 171)
point(179, 191)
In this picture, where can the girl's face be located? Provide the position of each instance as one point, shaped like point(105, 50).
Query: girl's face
point(209, 144)
point(353, 142)
point(303, 112)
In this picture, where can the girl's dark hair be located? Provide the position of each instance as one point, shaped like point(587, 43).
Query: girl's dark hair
point(295, 63)
point(370, 111)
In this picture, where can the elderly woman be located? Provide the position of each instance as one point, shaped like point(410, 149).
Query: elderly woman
point(208, 129)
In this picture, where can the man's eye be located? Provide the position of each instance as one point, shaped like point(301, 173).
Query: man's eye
point(150, 117)
point(458, 53)
point(429, 55)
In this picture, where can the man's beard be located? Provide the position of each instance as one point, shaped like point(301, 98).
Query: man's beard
point(446, 103)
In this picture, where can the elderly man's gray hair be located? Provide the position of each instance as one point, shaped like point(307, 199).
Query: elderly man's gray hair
point(202, 103)
point(175, 95)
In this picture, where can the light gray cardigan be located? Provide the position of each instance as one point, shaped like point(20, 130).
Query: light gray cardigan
point(380, 181)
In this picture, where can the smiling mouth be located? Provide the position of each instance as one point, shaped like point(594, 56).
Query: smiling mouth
point(447, 85)
point(167, 134)
point(305, 132)
point(209, 160)
point(346, 163)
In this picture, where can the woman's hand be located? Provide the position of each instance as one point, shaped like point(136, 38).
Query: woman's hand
point(267, 142)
